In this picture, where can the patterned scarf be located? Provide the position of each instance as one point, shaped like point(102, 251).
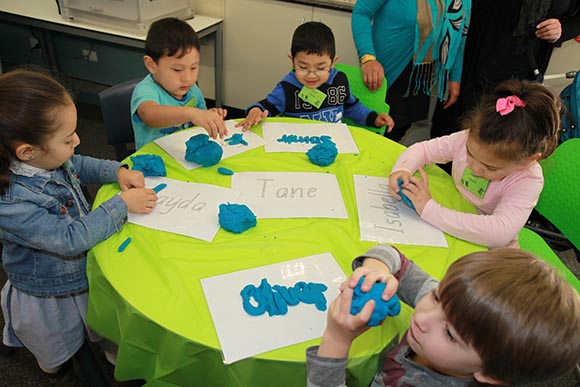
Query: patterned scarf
point(440, 26)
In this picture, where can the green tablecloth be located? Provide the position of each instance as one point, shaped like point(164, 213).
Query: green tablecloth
point(150, 301)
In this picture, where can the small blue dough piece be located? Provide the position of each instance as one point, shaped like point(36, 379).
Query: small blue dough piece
point(236, 139)
point(159, 187)
point(323, 154)
point(200, 150)
point(236, 218)
point(225, 171)
point(404, 197)
point(124, 245)
point(150, 165)
point(391, 307)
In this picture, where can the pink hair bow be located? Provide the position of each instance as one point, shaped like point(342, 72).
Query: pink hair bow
point(506, 105)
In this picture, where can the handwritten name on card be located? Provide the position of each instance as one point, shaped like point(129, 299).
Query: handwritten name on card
point(382, 218)
point(290, 194)
point(189, 209)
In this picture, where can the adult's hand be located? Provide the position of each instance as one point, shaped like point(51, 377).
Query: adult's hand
point(549, 30)
point(373, 74)
point(453, 88)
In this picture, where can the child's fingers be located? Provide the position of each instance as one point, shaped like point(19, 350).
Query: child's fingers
point(365, 314)
point(423, 175)
point(391, 288)
point(241, 123)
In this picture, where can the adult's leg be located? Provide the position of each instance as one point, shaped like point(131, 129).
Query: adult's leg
point(405, 109)
point(446, 121)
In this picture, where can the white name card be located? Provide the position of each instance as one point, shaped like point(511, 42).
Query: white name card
point(189, 209)
point(290, 194)
point(382, 218)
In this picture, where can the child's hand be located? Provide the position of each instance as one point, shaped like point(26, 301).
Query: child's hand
point(341, 326)
point(374, 271)
point(394, 182)
point(139, 200)
point(255, 115)
point(385, 119)
point(418, 191)
point(221, 112)
point(130, 179)
point(211, 121)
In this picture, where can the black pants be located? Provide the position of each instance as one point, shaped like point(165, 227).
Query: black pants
point(405, 110)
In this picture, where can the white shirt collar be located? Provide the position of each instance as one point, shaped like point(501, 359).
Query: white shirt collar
point(23, 169)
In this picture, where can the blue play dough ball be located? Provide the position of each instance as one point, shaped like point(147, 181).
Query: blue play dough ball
point(323, 154)
point(391, 307)
point(150, 165)
point(200, 150)
point(404, 197)
point(236, 218)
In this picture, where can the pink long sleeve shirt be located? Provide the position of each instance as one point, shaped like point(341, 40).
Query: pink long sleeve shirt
point(503, 210)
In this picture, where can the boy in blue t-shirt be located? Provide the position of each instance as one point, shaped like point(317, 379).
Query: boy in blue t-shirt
point(168, 99)
point(314, 89)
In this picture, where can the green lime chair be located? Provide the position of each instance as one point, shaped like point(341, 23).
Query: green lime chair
point(560, 204)
point(373, 100)
point(560, 199)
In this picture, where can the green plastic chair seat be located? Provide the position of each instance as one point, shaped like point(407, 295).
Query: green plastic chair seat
point(373, 100)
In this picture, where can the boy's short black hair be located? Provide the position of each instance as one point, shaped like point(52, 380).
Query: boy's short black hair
point(170, 36)
point(313, 38)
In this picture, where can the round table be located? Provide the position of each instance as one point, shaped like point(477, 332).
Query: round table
point(149, 298)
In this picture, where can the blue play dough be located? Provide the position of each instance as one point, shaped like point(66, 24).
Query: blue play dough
point(200, 150)
point(323, 154)
point(150, 165)
point(404, 197)
point(236, 139)
point(275, 300)
point(236, 218)
point(225, 171)
point(391, 307)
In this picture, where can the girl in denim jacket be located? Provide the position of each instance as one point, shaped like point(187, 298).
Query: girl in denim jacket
point(46, 225)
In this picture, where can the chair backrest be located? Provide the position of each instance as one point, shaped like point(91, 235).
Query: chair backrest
point(116, 110)
point(373, 100)
point(532, 242)
point(560, 198)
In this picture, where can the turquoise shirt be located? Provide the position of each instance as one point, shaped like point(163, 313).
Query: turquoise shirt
point(386, 29)
point(149, 90)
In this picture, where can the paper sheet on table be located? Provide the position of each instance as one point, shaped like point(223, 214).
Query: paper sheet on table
point(290, 194)
point(242, 335)
point(310, 133)
point(383, 218)
point(189, 209)
point(174, 144)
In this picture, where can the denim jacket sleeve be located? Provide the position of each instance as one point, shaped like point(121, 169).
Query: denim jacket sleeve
point(95, 171)
point(35, 225)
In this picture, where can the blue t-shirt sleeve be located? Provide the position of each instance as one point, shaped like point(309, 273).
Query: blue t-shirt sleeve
point(197, 94)
point(144, 91)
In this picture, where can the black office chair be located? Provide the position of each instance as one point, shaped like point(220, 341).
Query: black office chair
point(116, 110)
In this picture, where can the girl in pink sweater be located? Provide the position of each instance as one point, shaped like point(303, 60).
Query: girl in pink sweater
point(495, 164)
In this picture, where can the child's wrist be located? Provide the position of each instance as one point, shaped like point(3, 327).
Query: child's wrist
point(335, 346)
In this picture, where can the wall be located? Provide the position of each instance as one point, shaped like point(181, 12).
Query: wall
point(564, 59)
point(214, 8)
